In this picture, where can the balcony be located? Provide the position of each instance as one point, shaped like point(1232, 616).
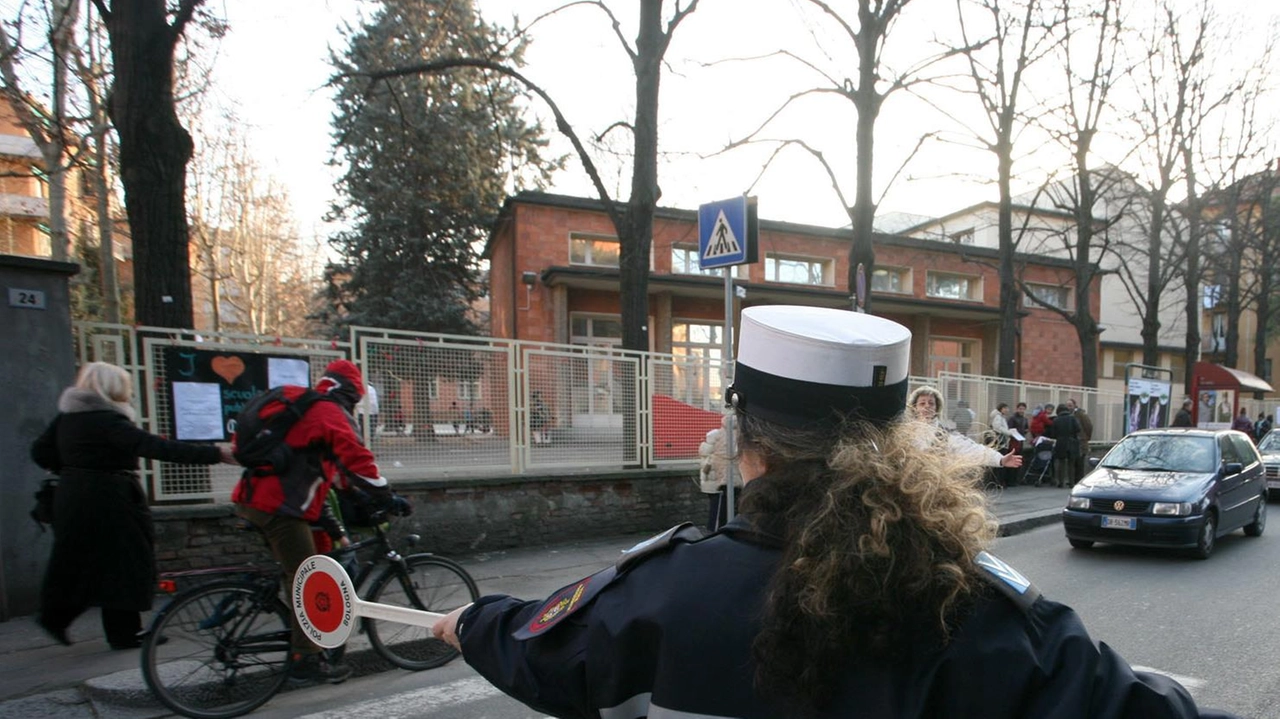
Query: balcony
point(23, 206)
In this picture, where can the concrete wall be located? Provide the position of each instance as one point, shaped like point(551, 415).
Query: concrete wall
point(38, 362)
point(462, 517)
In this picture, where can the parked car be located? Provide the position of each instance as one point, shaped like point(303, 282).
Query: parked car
point(1170, 488)
point(1269, 447)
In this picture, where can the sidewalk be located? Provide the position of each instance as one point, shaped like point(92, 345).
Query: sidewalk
point(39, 678)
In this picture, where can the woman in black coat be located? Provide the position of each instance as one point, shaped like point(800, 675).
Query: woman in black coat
point(103, 539)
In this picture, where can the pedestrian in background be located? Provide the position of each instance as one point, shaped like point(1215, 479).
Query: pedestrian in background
point(1022, 425)
point(367, 409)
point(855, 582)
point(1041, 419)
point(713, 477)
point(1086, 436)
point(1065, 433)
point(1183, 418)
point(1242, 423)
point(103, 539)
point(1261, 427)
point(1001, 440)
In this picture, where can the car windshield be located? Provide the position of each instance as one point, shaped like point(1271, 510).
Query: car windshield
point(1270, 443)
point(1163, 452)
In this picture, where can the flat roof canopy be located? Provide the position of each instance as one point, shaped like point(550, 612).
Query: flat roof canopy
point(1214, 376)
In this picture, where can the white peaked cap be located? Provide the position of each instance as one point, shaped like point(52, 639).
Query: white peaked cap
point(803, 365)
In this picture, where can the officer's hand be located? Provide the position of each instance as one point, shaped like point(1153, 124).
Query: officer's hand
point(446, 630)
point(401, 506)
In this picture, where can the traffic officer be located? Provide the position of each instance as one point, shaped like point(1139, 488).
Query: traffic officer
point(855, 581)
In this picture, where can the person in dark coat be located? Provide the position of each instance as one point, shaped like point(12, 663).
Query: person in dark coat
point(1065, 432)
point(103, 539)
point(1183, 418)
point(855, 581)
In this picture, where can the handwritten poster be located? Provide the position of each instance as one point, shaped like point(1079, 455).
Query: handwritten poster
point(208, 388)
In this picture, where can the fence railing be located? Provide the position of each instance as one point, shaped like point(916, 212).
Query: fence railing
point(461, 406)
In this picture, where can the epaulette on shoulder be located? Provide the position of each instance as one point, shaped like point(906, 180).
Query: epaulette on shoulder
point(570, 599)
point(681, 533)
point(1007, 580)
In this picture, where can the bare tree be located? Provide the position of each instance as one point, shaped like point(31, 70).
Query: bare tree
point(1091, 36)
point(1020, 35)
point(867, 92)
point(154, 151)
point(632, 220)
point(50, 127)
point(244, 239)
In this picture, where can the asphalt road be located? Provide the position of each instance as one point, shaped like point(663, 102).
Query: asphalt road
point(1210, 624)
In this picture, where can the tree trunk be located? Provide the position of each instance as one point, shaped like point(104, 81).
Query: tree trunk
point(867, 104)
point(634, 257)
point(1007, 345)
point(1191, 278)
point(154, 150)
point(1235, 248)
point(1155, 249)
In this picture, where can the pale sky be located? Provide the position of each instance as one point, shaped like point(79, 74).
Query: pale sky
point(273, 66)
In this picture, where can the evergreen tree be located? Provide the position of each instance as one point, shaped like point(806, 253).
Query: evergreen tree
point(428, 162)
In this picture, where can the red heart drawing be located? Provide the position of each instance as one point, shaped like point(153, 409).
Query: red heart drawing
point(228, 368)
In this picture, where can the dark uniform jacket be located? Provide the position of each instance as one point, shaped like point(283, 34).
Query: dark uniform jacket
point(103, 553)
point(667, 633)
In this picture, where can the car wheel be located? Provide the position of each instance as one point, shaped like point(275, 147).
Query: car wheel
point(1254, 529)
point(1208, 536)
point(1080, 543)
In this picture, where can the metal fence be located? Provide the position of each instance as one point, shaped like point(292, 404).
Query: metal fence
point(459, 406)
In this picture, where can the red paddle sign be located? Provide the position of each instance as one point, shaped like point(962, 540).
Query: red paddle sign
point(323, 601)
point(327, 607)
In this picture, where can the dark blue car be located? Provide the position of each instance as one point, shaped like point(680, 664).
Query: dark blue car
point(1170, 488)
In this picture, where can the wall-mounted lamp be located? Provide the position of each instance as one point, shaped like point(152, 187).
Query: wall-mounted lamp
point(529, 279)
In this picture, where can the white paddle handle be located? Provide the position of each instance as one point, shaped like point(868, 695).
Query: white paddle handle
point(401, 615)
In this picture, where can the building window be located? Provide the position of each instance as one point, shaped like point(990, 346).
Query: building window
point(1052, 295)
point(596, 330)
point(696, 372)
point(798, 270)
point(1120, 358)
point(963, 237)
point(684, 261)
point(953, 287)
point(597, 251)
point(470, 390)
point(891, 279)
point(951, 355)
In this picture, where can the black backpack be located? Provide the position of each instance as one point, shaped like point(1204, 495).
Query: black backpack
point(259, 442)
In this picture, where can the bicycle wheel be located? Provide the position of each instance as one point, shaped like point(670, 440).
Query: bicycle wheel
point(219, 650)
point(434, 584)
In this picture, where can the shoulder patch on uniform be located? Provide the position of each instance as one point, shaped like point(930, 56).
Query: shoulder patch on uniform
point(1009, 581)
point(565, 602)
point(683, 533)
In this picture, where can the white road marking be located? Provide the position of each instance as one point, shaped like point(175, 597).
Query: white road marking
point(1191, 683)
point(416, 702)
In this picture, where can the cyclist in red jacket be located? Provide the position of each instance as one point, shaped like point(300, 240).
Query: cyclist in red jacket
point(327, 451)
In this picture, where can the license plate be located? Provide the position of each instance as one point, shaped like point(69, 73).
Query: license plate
point(1119, 523)
point(1273, 484)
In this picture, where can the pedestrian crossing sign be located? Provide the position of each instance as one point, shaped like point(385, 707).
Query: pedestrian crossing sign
point(727, 232)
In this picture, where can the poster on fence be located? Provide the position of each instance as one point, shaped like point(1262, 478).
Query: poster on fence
point(208, 388)
point(1148, 404)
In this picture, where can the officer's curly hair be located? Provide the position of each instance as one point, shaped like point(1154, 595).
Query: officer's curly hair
point(880, 534)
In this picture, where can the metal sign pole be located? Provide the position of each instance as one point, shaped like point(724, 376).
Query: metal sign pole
point(726, 370)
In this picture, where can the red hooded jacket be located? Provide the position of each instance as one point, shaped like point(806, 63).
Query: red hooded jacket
point(326, 436)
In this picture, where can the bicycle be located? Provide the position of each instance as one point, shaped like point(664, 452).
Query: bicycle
point(221, 649)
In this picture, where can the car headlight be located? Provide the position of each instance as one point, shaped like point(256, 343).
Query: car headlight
point(1078, 503)
point(1175, 509)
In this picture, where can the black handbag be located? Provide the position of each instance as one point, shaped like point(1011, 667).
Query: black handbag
point(42, 513)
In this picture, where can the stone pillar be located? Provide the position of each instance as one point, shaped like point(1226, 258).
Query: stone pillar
point(662, 323)
point(560, 314)
point(37, 364)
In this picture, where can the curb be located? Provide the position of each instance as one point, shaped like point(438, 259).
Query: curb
point(1028, 523)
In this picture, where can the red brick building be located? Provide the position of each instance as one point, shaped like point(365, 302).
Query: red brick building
point(554, 278)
